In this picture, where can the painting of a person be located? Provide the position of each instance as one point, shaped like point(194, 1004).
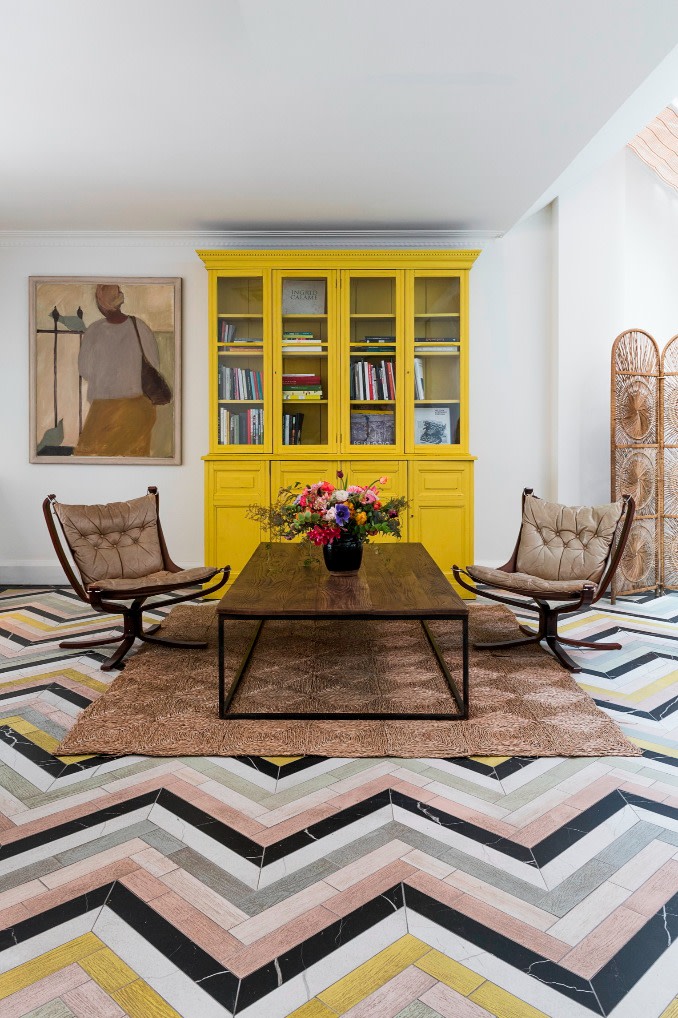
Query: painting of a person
point(120, 418)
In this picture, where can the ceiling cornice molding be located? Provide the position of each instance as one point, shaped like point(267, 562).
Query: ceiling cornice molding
point(245, 239)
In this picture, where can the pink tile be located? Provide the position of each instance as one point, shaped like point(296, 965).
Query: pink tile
point(367, 864)
point(394, 995)
point(12, 914)
point(592, 793)
point(249, 959)
point(277, 916)
point(145, 886)
point(589, 956)
point(83, 884)
point(450, 1004)
point(272, 834)
point(545, 825)
point(214, 905)
point(90, 1001)
point(361, 792)
point(217, 809)
point(515, 929)
point(414, 791)
point(155, 862)
point(356, 895)
point(43, 991)
point(656, 891)
point(94, 862)
point(196, 926)
point(435, 888)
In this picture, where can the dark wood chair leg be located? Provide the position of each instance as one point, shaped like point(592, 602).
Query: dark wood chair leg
point(172, 643)
point(564, 659)
point(588, 644)
point(75, 644)
point(504, 644)
point(115, 660)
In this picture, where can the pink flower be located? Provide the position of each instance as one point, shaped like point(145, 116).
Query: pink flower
point(323, 535)
point(354, 489)
point(369, 496)
point(383, 480)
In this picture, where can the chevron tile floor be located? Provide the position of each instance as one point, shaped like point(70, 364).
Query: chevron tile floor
point(307, 887)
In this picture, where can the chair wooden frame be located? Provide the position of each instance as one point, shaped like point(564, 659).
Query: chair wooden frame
point(548, 615)
point(95, 595)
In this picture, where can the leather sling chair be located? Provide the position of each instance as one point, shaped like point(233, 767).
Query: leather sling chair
point(121, 557)
point(564, 554)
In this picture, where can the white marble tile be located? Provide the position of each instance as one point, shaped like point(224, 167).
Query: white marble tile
point(525, 775)
point(196, 839)
point(19, 763)
point(474, 802)
point(241, 770)
point(450, 836)
point(27, 950)
point(546, 999)
point(589, 913)
point(319, 849)
point(323, 767)
point(642, 865)
point(654, 991)
point(586, 848)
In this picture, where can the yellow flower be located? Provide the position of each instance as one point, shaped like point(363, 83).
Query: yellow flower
point(361, 518)
point(351, 509)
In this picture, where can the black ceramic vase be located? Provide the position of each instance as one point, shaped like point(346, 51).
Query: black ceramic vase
point(344, 555)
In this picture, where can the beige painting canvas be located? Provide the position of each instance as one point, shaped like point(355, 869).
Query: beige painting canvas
point(105, 370)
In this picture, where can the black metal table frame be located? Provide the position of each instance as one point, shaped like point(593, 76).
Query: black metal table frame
point(225, 698)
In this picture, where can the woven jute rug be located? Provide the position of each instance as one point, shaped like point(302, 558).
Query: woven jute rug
point(522, 702)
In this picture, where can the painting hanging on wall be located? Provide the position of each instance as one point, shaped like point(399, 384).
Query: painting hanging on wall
point(105, 370)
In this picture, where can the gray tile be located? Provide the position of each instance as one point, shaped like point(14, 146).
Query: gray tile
point(223, 777)
point(55, 1009)
point(164, 842)
point(454, 781)
point(361, 846)
point(72, 855)
point(544, 782)
point(15, 784)
point(32, 872)
point(629, 844)
point(670, 837)
point(418, 1010)
point(656, 775)
point(215, 877)
point(575, 888)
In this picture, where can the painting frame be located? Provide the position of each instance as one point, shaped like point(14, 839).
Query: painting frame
point(58, 394)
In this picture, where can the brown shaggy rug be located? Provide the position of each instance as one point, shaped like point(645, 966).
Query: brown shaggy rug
point(522, 702)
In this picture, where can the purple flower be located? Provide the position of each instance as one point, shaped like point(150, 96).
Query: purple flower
point(340, 473)
point(342, 514)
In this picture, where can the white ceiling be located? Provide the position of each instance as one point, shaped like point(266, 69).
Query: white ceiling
point(304, 114)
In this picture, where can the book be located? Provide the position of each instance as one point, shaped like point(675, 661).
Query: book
point(372, 380)
point(433, 425)
point(303, 297)
point(292, 428)
point(226, 331)
point(302, 394)
point(419, 389)
point(299, 336)
point(372, 427)
point(378, 339)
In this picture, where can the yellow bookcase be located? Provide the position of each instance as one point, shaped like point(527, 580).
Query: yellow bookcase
point(328, 360)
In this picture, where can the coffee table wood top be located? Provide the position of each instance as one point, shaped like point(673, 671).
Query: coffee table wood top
point(291, 581)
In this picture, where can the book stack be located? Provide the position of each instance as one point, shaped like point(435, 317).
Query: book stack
point(239, 383)
point(292, 428)
point(244, 428)
point(372, 380)
point(305, 341)
point(302, 386)
point(372, 427)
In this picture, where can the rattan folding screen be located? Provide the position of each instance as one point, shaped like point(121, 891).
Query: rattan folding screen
point(644, 458)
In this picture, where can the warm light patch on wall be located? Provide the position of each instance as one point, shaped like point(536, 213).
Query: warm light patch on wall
point(657, 144)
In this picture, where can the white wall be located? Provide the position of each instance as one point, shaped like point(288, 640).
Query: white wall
point(26, 554)
point(651, 252)
point(511, 380)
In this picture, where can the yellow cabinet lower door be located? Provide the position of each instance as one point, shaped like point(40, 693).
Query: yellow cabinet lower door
point(367, 471)
point(441, 512)
point(232, 486)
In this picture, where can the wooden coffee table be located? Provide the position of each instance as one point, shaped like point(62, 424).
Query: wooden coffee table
point(395, 581)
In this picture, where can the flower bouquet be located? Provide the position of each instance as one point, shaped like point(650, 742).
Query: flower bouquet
point(340, 519)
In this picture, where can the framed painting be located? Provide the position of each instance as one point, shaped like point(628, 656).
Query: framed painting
point(105, 369)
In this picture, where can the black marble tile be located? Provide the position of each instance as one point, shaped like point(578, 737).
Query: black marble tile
point(651, 754)
point(278, 971)
point(323, 828)
point(53, 917)
point(635, 958)
point(215, 829)
point(567, 983)
point(478, 834)
point(659, 809)
point(195, 963)
point(59, 831)
point(551, 847)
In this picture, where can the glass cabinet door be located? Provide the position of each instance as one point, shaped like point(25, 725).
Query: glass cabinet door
point(304, 377)
point(372, 367)
point(240, 363)
point(436, 371)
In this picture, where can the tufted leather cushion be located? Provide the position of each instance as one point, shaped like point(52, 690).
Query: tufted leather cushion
point(163, 580)
point(559, 542)
point(114, 541)
point(521, 583)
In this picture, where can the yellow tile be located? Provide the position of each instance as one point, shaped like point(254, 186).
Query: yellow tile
point(67, 673)
point(314, 1009)
point(645, 744)
point(491, 761)
point(109, 971)
point(75, 759)
point(47, 964)
point(280, 761)
point(503, 1004)
point(42, 739)
point(672, 1010)
point(367, 978)
point(454, 975)
point(18, 724)
point(140, 1001)
point(640, 694)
